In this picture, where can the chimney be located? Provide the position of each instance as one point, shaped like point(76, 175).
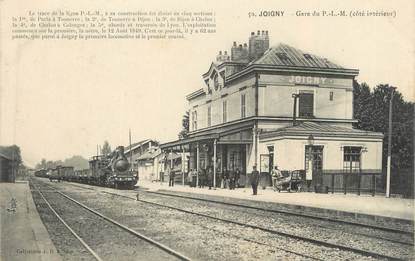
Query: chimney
point(222, 57)
point(239, 53)
point(258, 44)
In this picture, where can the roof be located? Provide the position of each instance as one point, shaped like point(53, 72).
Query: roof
point(285, 55)
point(5, 156)
point(307, 128)
point(150, 154)
point(283, 58)
point(173, 156)
point(195, 94)
point(138, 144)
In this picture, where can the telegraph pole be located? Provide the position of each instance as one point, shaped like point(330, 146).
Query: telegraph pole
point(131, 151)
point(388, 168)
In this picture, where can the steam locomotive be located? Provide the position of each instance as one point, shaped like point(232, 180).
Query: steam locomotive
point(104, 170)
point(110, 171)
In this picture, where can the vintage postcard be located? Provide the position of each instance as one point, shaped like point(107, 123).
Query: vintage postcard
point(207, 130)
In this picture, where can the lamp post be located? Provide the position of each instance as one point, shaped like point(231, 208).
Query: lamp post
point(388, 168)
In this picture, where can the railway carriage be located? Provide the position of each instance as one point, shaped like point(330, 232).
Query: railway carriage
point(99, 170)
point(54, 175)
point(110, 171)
point(65, 172)
point(41, 173)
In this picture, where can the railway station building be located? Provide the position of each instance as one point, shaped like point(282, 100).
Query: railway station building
point(278, 105)
point(152, 164)
point(135, 150)
point(8, 168)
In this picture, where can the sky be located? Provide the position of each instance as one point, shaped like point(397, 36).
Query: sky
point(62, 98)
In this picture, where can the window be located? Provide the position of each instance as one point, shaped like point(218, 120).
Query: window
point(351, 158)
point(224, 111)
point(243, 106)
point(194, 120)
point(283, 56)
point(216, 82)
point(308, 56)
point(331, 96)
point(209, 116)
point(315, 154)
point(306, 104)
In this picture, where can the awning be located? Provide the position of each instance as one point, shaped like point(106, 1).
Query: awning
point(182, 142)
point(321, 130)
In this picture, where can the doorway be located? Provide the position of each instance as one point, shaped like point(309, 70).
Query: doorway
point(314, 159)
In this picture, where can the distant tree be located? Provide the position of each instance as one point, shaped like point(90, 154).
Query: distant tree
point(362, 106)
point(106, 148)
point(41, 164)
point(371, 109)
point(185, 126)
point(76, 161)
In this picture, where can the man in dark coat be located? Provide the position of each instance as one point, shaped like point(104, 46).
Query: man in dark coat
point(210, 177)
point(202, 178)
point(254, 179)
point(171, 176)
point(231, 179)
point(237, 177)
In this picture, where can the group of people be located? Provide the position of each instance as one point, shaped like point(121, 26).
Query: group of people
point(205, 177)
point(227, 179)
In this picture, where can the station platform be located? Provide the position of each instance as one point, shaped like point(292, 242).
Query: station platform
point(377, 207)
point(23, 235)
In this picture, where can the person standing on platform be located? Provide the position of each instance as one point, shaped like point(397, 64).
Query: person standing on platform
point(309, 175)
point(254, 179)
point(231, 179)
point(194, 178)
point(202, 178)
point(276, 176)
point(224, 177)
point(189, 177)
point(210, 177)
point(227, 180)
point(237, 177)
point(171, 176)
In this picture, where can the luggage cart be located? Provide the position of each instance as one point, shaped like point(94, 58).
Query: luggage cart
point(292, 182)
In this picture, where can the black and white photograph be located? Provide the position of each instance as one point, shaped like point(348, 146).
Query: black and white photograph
point(207, 130)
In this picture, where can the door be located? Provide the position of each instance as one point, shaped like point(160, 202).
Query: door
point(314, 159)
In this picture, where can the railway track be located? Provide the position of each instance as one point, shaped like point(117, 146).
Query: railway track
point(334, 223)
point(301, 256)
point(142, 239)
point(264, 229)
point(409, 233)
point(271, 231)
point(291, 213)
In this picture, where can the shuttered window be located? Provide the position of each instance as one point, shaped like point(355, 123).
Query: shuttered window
point(209, 116)
point(224, 112)
point(194, 120)
point(243, 106)
point(306, 105)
